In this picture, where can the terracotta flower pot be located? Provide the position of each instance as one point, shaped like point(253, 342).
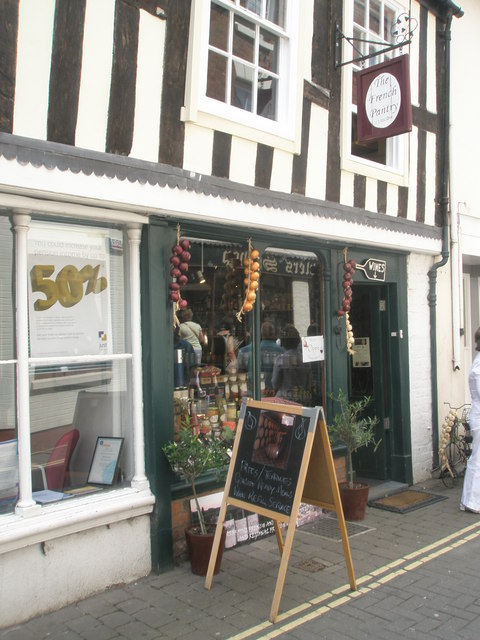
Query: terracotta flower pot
point(200, 546)
point(354, 501)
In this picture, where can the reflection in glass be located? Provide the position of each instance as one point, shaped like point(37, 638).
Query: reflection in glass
point(217, 76)
point(374, 22)
point(243, 39)
point(291, 377)
point(67, 417)
point(268, 51)
point(276, 12)
point(219, 27)
point(8, 440)
point(291, 298)
point(266, 96)
point(242, 86)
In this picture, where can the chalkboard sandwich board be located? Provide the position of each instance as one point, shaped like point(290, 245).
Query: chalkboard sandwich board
point(281, 457)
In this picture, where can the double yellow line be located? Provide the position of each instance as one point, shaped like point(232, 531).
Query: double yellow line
point(317, 607)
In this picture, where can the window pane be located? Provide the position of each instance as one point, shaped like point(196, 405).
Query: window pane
point(291, 310)
point(217, 76)
point(255, 6)
point(388, 21)
point(359, 15)
point(266, 96)
point(243, 39)
point(8, 440)
point(8, 434)
point(268, 51)
point(219, 27)
point(212, 310)
point(69, 412)
point(374, 150)
point(374, 17)
point(242, 86)
point(7, 349)
point(276, 12)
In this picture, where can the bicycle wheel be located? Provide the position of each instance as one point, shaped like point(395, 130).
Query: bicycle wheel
point(456, 459)
point(447, 478)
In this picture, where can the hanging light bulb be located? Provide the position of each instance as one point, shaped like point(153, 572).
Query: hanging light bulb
point(200, 276)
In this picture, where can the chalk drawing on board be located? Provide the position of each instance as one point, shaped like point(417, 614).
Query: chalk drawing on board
point(273, 439)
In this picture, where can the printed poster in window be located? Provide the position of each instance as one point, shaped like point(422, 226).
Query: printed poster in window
point(69, 296)
point(361, 357)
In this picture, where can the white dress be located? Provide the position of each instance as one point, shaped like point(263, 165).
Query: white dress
point(471, 483)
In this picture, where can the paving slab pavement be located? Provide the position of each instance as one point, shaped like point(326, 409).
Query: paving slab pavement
point(417, 577)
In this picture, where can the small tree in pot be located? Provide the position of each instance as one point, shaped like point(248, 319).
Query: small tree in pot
point(191, 456)
point(350, 428)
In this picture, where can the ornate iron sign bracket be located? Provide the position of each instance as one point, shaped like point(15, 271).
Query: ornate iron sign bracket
point(402, 32)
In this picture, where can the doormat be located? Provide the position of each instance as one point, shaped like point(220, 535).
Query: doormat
point(405, 501)
point(327, 527)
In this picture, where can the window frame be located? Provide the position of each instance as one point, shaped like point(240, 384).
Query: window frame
point(397, 147)
point(125, 502)
point(284, 133)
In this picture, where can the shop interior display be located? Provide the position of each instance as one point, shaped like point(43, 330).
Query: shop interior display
point(226, 282)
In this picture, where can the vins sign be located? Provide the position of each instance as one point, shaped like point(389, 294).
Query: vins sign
point(373, 269)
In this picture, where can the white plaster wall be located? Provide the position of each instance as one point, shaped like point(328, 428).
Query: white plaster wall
point(281, 179)
point(96, 74)
point(371, 194)
point(412, 187)
point(198, 148)
point(34, 52)
point(465, 139)
point(450, 382)
point(56, 573)
point(346, 188)
point(242, 161)
point(419, 365)
point(148, 91)
point(317, 154)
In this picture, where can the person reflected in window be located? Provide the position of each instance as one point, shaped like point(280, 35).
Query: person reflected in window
point(269, 350)
point(230, 359)
point(182, 363)
point(291, 377)
point(191, 332)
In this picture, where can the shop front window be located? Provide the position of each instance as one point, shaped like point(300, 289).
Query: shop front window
point(79, 368)
point(271, 353)
point(291, 359)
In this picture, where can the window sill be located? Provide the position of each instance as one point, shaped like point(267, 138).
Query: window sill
point(375, 171)
point(216, 122)
point(72, 516)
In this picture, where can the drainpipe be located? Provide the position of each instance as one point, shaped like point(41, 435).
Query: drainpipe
point(443, 202)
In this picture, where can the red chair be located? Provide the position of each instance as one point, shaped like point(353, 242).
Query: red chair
point(55, 469)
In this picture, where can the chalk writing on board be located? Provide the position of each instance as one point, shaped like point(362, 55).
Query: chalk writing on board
point(250, 421)
point(301, 431)
point(269, 458)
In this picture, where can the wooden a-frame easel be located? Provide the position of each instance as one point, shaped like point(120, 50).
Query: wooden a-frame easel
point(316, 485)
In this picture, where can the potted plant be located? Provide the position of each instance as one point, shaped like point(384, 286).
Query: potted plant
point(191, 455)
point(350, 428)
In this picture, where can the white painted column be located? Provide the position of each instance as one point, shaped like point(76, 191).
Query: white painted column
point(139, 480)
point(25, 504)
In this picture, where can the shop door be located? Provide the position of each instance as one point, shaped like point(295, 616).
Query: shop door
point(370, 371)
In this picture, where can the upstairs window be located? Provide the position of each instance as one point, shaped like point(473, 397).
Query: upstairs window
point(244, 55)
point(243, 68)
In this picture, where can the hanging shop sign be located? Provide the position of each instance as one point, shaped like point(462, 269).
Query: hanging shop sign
point(373, 269)
point(383, 100)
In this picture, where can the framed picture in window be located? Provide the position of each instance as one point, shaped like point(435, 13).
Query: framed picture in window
point(105, 461)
